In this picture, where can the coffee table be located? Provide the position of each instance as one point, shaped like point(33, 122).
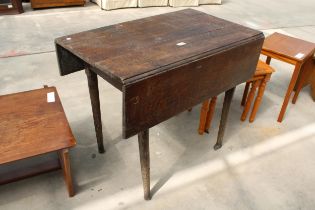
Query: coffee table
point(11, 7)
point(293, 51)
point(163, 65)
point(30, 126)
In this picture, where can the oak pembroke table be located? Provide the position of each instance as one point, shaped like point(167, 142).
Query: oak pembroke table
point(163, 65)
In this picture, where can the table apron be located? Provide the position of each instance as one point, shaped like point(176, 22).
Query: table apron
point(279, 57)
point(153, 100)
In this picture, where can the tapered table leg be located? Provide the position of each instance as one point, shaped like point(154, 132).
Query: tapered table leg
point(95, 102)
point(225, 112)
point(143, 139)
point(289, 91)
point(65, 165)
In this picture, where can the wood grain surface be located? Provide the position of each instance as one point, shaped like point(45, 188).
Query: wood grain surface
point(136, 49)
point(30, 126)
point(153, 100)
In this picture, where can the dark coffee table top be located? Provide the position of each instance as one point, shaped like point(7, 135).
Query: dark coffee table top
point(137, 49)
point(164, 64)
point(31, 126)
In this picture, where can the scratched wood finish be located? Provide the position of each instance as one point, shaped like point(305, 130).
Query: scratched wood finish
point(28, 125)
point(149, 44)
point(156, 99)
point(164, 65)
point(142, 59)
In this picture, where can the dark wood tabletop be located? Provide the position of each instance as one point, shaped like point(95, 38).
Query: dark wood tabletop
point(163, 65)
point(137, 49)
point(28, 125)
point(130, 52)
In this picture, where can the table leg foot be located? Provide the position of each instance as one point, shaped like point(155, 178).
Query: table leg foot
point(217, 146)
point(143, 139)
point(225, 112)
point(95, 102)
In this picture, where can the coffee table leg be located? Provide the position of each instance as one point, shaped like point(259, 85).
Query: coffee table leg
point(225, 112)
point(268, 60)
point(143, 139)
point(289, 91)
point(95, 102)
point(65, 164)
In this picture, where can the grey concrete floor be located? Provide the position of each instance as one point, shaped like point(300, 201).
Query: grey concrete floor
point(263, 165)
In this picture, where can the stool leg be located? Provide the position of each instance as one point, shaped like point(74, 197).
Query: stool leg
point(245, 94)
point(203, 116)
point(249, 99)
point(65, 164)
point(258, 99)
point(300, 84)
point(224, 115)
point(289, 91)
point(210, 113)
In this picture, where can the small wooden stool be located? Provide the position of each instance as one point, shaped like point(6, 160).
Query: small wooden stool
point(293, 51)
point(261, 77)
point(33, 123)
